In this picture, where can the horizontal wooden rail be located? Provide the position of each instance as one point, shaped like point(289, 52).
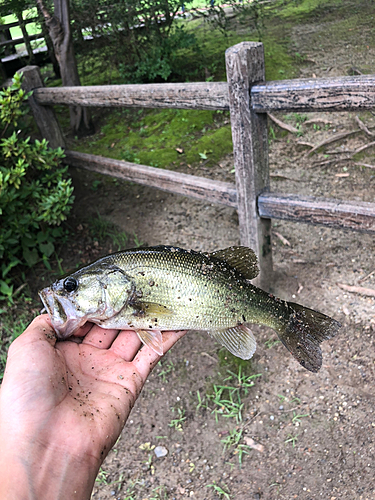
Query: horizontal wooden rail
point(188, 185)
point(17, 23)
point(343, 93)
point(318, 94)
point(18, 41)
point(354, 215)
point(201, 95)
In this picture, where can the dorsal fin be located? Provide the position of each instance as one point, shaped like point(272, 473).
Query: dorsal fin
point(243, 259)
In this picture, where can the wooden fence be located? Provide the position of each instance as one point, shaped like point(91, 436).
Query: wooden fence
point(248, 98)
point(6, 38)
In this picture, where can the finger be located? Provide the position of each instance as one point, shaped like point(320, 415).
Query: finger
point(83, 330)
point(100, 337)
point(126, 345)
point(39, 329)
point(147, 359)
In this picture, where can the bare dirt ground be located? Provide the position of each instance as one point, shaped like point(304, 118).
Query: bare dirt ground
point(304, 435)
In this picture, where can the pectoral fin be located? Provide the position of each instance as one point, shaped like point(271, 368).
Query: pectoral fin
point(153, 339)
point(239, 340)
point(153, 309)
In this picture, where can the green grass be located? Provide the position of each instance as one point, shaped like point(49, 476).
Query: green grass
point(298, 9)
point(13, 321)
point(102, 230)
point(154, 137)
point(227, 397)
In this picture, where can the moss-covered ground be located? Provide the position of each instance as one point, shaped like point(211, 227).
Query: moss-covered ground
point(168, 138)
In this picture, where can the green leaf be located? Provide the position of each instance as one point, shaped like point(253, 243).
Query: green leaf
point(31, 256)
point(5, 289)
point(47, 249)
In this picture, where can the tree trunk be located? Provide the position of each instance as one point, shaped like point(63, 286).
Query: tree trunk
point(59, 29)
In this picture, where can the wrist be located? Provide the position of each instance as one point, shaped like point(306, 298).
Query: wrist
point(43, 472)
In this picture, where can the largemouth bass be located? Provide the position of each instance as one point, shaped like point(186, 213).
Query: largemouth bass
point(167, 288)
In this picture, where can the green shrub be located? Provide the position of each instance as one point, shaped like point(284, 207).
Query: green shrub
point(35, 195)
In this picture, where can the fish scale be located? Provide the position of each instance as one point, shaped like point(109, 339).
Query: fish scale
point(196, 303)
point(168, 288)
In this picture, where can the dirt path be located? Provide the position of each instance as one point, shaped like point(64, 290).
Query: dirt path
point(302, 435)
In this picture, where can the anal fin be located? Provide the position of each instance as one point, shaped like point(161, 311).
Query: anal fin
point(153, 339)
point(239, 340)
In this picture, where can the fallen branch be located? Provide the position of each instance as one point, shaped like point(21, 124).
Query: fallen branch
point(360, 164)
point(302, 143)
point(363, 127)
point(282, 239)
point(369, 292)
point(317, 120)
point(283, 125)
point(334, 138)
point(362, 148)
point(331, 160)
point(366, 277)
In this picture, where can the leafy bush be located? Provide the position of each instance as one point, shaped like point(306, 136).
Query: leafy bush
point(35, 195)
point(141, 39)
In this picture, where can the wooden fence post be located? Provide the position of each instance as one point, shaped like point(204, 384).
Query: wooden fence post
point(44, 115)
point(26, 38)
point(245, 67)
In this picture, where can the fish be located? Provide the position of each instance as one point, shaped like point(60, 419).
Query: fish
point(154, 289)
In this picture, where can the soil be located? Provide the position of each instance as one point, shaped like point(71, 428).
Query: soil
point(304, 435)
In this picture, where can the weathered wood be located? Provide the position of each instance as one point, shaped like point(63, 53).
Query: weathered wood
point(16, 23)
point(44, 115)
point(18, 41)
point(26, 38)
point(345, 93)
point(354, 215)
point(318, 94)
point(208, 190)
point(202, 95)
point(245, 66)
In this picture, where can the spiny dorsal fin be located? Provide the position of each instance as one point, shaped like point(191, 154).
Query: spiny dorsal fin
point(239, 340)
point(243, 259)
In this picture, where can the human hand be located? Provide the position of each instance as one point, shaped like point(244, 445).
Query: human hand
point(64, 404)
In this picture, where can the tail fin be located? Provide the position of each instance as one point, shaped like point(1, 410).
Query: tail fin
point(304, 332)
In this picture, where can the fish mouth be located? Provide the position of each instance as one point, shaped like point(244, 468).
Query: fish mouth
point(62, 313)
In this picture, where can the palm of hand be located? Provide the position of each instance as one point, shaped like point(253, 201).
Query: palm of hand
point(75, 397)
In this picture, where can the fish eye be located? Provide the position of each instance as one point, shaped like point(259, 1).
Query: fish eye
point(70, 284)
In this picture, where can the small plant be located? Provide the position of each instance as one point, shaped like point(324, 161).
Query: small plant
point(159, 493)
point(292, 439)
point(201, 402)
point(297, 418)
point(176, 423)
point(271, 343)
point(228, 398)
point(242, 449)
point(233, 438)
point(101, 230)
point(137, 242)
point(166, 368)
point(223, 493)
point(102, 477)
